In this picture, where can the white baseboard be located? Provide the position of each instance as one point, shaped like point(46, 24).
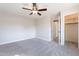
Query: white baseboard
point(14, 41)
point(22, 40)
point(44, 38)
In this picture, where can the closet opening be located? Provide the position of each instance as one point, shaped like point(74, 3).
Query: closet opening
point(71, 30)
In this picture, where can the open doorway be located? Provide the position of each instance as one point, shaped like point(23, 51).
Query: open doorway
point(71, 29)
point(58, 29)
point(55, 30)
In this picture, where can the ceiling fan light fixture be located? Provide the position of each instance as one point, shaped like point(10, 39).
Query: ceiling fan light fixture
point(34, 9)
point(34, 12)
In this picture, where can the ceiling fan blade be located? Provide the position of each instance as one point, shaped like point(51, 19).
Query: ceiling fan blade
point(31, 13)
point(26, 8)
point(45, 9)
point(39, 14)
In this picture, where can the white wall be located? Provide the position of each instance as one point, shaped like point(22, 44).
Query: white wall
point(15, 28)
point(43, 29)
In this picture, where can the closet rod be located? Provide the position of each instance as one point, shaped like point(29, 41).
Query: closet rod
point(72, 23)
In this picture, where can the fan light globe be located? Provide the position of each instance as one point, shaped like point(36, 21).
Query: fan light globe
point(34, 12)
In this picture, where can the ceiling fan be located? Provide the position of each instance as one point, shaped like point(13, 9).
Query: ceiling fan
point(35, 9)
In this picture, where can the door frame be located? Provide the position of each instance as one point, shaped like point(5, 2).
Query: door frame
point(60, 17)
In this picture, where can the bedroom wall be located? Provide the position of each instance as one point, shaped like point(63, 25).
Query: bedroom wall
point(15, 28)
point(43, 29)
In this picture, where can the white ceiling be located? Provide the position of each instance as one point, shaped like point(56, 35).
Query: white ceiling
point(52, 8)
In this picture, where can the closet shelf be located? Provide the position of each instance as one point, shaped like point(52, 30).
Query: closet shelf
point(72, 23)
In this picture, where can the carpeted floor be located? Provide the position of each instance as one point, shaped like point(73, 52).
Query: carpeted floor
point(37, 47)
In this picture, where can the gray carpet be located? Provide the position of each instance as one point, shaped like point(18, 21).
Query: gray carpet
point(37, 47)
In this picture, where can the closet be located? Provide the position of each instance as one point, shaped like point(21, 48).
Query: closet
point(71, 29)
